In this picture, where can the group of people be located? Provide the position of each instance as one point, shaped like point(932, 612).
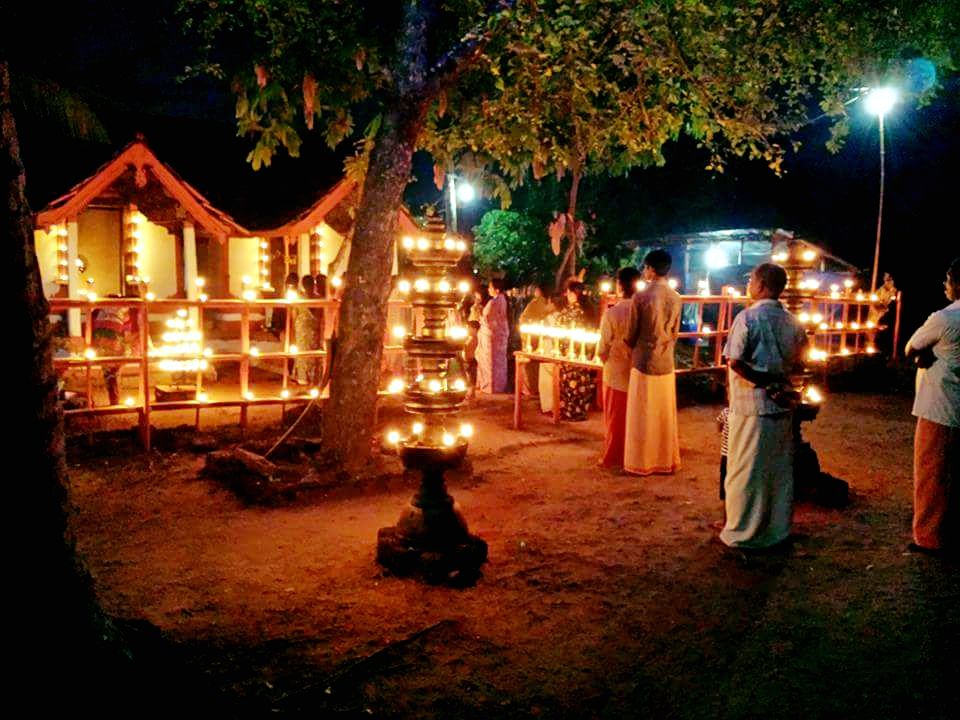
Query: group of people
point(764, 350)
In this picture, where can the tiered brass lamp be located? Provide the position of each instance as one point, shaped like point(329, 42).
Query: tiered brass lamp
point(431, 540)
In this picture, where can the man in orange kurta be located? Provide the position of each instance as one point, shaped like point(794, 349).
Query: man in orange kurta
point(616, 357)
point(652, 439)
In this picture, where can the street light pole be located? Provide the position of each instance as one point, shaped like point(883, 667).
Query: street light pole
point(879, 101)
point(876, 252)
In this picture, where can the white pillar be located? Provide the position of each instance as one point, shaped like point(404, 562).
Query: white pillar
point(73, 281)
point(303, 255)
point(190, 272)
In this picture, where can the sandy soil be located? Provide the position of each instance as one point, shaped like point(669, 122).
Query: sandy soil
point(605, 595)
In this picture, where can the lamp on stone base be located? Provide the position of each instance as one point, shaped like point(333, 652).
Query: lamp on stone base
point(431, 540)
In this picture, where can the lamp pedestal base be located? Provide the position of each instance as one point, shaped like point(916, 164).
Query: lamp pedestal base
point(431, 541)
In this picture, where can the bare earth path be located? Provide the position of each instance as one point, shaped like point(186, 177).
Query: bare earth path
point(605, 595)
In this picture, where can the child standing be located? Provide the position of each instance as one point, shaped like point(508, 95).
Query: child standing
point(470, 355)
point(723, 427)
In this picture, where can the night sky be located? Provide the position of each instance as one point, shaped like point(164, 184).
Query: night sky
point(124, 58)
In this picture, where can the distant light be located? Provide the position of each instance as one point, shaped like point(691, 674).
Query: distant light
point(813, 395)
point(716, 258)
point(393, 437)
point(880, 101)
point(314, 392)
point(465, 192)
point(673, 283)
point(396, 386)
point(606, 287)
point(448, 439)
point(466, 430)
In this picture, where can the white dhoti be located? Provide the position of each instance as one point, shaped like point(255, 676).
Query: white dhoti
point(652, 442)
point(545, 386)
point(759, 483)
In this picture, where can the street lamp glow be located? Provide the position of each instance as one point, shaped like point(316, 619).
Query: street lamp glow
point(465, 192)
point(716, 258)
point(880, 101)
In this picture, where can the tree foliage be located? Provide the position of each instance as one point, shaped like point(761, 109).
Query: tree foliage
point(600, 85)
point(515, 244)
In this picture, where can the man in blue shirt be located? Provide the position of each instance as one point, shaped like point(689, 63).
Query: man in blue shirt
point(764, 347)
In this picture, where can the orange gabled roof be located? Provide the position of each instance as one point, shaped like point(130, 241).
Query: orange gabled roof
point(139, 157)
point(306, 221)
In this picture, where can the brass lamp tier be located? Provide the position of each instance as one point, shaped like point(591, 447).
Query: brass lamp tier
point(431, 539)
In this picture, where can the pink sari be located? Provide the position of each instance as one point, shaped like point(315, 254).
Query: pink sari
point(492, 347)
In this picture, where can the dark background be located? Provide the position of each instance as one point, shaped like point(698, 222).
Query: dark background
point(124, 59)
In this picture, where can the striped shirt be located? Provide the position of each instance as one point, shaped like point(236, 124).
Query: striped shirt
point(723, 420)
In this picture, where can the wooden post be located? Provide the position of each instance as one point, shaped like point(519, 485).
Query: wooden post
point(845, 316)
point(244, 364)
point(896, 328)
point(190, 272)
point(517, 404)
point(143, 339)
point(556, 392)
point(199, 389)
point(721, 327)
point(286, 357)
point(696, 340)
point(88, 342)
point(73, 282)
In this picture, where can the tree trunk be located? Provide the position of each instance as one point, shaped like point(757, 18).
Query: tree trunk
point(350, 414)
point(64, 623)
point(570, 256)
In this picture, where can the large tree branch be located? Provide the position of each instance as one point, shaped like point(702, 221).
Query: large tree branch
point(467, 50)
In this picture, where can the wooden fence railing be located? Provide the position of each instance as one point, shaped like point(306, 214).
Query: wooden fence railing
point(839, 327)
point(86, 358)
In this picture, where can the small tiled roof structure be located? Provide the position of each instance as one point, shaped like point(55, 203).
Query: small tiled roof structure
point(331, 209)
point(140, 160)
point(764, 236)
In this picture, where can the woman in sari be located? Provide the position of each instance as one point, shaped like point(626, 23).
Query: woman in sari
point(492, 342)
point(577, 384)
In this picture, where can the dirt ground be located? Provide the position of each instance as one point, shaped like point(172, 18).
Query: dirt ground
point(605, 595)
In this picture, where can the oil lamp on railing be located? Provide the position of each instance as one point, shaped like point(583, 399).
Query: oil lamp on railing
point(431, 539)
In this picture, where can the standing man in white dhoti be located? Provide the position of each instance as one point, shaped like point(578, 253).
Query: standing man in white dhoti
point(652, 442)
point(764, 347)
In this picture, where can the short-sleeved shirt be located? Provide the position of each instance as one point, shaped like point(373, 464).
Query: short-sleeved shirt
point(654, 326)
point(938, 394)
point(768, 339)
point(613, 347)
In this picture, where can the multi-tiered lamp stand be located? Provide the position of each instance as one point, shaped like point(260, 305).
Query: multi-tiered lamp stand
point(797, 258)
point(431, 539)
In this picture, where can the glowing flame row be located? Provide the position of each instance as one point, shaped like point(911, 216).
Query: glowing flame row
point(423, 244)
point(417, 429)
point(424, 285)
